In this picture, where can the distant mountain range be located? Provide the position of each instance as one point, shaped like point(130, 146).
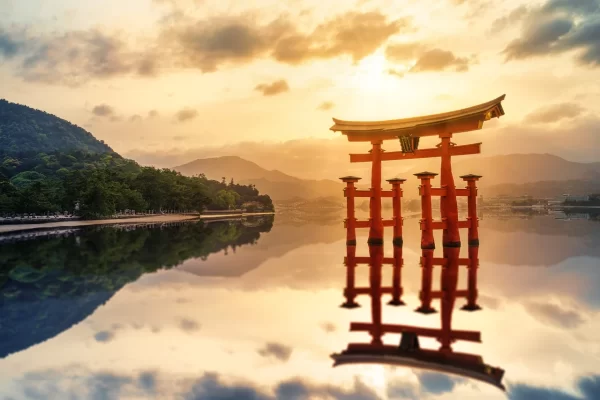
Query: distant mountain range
point(276, 184)
point(518, 169)
point(541, 175)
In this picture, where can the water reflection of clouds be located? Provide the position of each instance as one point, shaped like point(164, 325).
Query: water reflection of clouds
point(540, 324)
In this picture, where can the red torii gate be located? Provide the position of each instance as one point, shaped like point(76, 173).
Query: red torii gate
point(409, 131)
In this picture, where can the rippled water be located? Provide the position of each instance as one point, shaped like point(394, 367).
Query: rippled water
point(250, 310)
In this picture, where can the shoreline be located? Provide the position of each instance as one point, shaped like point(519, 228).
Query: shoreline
point(19, 228)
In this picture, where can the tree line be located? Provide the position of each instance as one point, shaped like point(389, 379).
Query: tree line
point(96, 185)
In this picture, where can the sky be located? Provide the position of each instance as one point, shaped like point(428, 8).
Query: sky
point(168, 81)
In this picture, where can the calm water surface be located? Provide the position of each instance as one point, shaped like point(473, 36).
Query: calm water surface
point(250, 310)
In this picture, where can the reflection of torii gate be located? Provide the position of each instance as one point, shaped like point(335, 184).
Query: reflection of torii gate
point(409, 131)
point(409, 353)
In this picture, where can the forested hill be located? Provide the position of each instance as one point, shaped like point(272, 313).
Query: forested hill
point(48, 165)
point(24, 129)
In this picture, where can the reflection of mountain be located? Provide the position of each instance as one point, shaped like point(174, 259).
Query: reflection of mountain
point(291, 231)
point(276, 184)
point(541, 241)
point(48, 285)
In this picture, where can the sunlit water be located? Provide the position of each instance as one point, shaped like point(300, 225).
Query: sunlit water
point(251, 310)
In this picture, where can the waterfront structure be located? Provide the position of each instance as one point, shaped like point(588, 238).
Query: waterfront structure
point(409, 131)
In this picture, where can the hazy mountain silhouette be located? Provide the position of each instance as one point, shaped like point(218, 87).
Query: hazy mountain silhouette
point(275, 183)
point(518, 168)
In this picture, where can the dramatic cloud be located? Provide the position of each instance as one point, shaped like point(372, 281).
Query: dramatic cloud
point(326, 106)
point(560, 26)
point(189, 325)
point(135, 118)
point(439, 60)
point(272, 89)
point(276, 350)
point(555, 315)
point(152, 114)
point(209, 44)
point(355, 34)
point(186, 114)
point(555, 113)
point(103, 110)
point(74, 57)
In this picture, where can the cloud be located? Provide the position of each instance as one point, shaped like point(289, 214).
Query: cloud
point(555, 315)
point(79, 383)
point(516, 15)
point(186, 114)
point(439, 60)
point(276, 350)
point(326, 106)
point(104, 336)
point(76, 57)
point(402, 52)
point(589, 387)
point(557, 27)
point(10, 45)
point(353, 33)
point(402, 390)
point(554, 113)
point(103, 110)
point(189, 325)
point(426, 59)
point(274, 88)
point(135, 118)
point(437, 383)
point(212, 386)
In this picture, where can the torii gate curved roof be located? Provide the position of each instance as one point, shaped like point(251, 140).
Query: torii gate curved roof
point(467, 119)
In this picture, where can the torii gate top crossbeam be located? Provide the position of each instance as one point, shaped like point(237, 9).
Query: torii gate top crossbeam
point(467, 119)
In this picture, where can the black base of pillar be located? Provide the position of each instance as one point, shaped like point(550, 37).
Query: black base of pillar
point(426, 310)
point(471, 307)
point(429, 246)
point(451, 244)
point(375, 242)
point(474, 243)
point(351, 242)
point(398, 242)
point(396, 302)
point(350, 305)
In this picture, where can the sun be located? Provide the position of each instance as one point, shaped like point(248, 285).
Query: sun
point(371, 74)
